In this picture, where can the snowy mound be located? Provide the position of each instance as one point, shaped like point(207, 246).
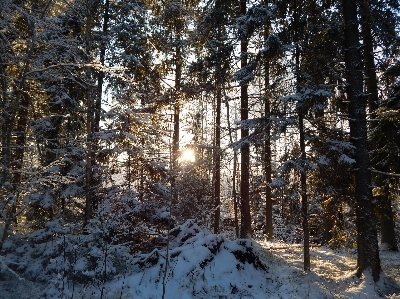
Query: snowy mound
point(200, 265)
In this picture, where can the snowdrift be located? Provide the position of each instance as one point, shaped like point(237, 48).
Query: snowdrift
point(199, 265)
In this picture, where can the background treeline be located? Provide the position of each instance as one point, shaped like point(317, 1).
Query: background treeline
point(292, 109)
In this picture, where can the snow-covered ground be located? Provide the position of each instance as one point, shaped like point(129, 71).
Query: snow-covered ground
point(204, 265)
point(332, 273)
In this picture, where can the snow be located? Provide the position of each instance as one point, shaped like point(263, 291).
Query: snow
point(344, 159)
point(205, 265)
point(323, 160)
point(277, 183)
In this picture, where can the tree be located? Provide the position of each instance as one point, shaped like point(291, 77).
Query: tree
point(384, 204)
point(367, 243)
point(269, 229)
point(45, 49)
point(385, 158)
point(245, 231)
point(217, 124)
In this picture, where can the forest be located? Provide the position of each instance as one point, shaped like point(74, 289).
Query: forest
point(136, 134)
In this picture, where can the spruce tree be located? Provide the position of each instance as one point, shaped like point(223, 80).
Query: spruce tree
point(367, 243)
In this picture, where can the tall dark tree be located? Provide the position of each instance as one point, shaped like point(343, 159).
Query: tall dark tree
point(367, 243)
point(301, 114)
point(269, 229)
point(90, 10)
point(245, 230)
point(384, 204)
point(217, 145)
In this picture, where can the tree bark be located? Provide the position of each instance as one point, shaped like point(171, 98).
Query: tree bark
point(388, 235)
point(385, 206)
point(176, 117)
point(235, 157)
point(100, 79)
point(304, 199)
point(90, 117)
point(217, 156)
point(369, 60)
point(6, 119)
point(20, 140)
point(217, 143)
point(303, 173)
point(245, 231)
point(367, 243)
point(269, 229)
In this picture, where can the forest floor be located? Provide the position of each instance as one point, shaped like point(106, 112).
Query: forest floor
point(332, 272)
point(204, 265)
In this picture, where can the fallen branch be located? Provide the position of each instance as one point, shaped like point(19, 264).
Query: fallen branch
point(386, 173)
point(291, 246)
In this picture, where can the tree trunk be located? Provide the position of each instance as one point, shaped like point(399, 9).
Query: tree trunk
point(234, 194)
point(387, 221)
point(303, 157)
point(89, 155)
point(6, 120)
point(20, 140)
point(304, 200)
point(217, 143)
point(245, 231)
point(269, 229)
point(367, 243)
point(97, 110)
point(388, 235)
point(176, 118)
point(217, 156)
point(369, 62)
point(90, 124)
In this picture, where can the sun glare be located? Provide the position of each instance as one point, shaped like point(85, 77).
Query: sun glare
point(188, 156)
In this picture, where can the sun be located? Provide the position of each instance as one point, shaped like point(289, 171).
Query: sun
point(188, 156)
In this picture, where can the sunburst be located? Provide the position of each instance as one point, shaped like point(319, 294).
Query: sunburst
point(188, 156)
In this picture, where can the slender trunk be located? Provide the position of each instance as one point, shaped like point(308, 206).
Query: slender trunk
point(303, 172)
point(327, 220)
point(6, 120)
point(175, 137)
point(217, 157)
point(89, 157)
point(94, 112)
point(217, 144)
point(269, 229)
point(369, 62)
point(245, 149)
point(20, 140)
point(176, 120)
point(304, 200)
point(89, 171)
point(97, 110)
point(388, 235)
point(367, 243)
point(234, 194)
